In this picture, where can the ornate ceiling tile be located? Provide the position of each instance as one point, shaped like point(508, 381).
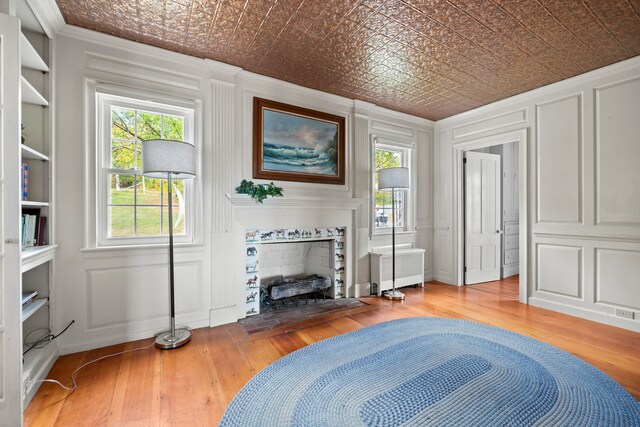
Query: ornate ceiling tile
point(430, 58)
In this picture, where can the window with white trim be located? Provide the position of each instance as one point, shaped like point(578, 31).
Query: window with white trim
point(132, 208)
point(388, 155)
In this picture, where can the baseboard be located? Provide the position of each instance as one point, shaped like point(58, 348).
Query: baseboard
point(362, 289)
point(510, 270)
point(118, 339)
point(596, 316)
point(222, 316)
point(443, 279)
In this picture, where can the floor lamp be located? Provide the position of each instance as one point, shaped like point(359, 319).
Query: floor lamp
point(392, 179)
point(162, 158)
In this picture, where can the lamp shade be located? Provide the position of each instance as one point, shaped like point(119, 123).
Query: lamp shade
point(162, 156)
point(396, 178)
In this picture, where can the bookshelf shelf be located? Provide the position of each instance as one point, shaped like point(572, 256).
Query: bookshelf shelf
point(34, 306)
point(29, 58)
point(30, 95)
point(36, 255)
point(31, 154)
point(32, 203)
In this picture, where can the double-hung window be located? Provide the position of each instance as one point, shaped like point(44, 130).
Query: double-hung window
point(132, 208)
point(385, 211)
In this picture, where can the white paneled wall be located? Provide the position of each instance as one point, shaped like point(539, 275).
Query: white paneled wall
point(559, 160)
point(120, 294)
point(583, 193)
point(559, 270)
point(617, 132)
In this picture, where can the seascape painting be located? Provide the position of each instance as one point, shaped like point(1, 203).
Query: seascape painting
point(299, 144)
point(296, 144)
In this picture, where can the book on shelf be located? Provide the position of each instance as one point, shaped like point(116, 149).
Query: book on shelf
point(25, 181)
point(33, 228)
point(28, 230)
point(42, 228)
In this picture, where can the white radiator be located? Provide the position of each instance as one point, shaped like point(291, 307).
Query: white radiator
point(409, 269)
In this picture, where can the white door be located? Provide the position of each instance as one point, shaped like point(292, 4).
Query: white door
point(10, 306)
point(482, 217)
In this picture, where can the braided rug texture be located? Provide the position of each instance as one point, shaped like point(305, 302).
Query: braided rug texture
point(431, 371)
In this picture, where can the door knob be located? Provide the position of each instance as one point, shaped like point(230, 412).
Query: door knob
point(499, 231)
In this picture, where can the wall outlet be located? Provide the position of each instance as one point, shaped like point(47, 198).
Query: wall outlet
point(625, 314)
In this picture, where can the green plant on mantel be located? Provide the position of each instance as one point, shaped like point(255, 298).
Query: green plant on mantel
point(260, 191)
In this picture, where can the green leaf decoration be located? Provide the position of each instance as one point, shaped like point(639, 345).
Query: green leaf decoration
point(260, 191)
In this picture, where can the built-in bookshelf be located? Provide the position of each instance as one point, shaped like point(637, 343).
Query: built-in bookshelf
point(38, 248)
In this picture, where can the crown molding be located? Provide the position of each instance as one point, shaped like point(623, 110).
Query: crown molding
point(258, 82)
point(222, 72)
point(108, 40)
point(373, 109)
point(49, 16)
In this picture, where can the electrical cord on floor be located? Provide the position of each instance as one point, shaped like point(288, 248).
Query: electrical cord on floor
point(47, 337)
point(73, 374)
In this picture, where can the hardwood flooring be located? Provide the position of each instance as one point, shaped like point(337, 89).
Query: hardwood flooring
point(193, 385)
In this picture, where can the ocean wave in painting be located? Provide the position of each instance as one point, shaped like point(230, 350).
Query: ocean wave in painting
point(297, 159)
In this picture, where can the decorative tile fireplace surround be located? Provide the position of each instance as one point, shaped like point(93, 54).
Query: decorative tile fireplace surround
point(292, 251)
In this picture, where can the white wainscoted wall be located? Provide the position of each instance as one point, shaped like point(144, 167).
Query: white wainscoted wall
point(583, 194)
point(120, 294)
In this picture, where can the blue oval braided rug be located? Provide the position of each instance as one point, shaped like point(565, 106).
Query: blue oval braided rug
point(431, 371)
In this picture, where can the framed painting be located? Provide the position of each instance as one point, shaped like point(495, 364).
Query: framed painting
point(297, 144)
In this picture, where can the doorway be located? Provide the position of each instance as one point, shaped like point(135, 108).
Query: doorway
point(513, 236)
point(483, 182)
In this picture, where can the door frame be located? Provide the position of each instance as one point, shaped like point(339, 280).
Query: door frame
point(519, 136)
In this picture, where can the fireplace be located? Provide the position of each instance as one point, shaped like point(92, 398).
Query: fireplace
point(293, 252)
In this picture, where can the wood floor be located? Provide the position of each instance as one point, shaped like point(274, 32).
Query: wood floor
point(194, 384)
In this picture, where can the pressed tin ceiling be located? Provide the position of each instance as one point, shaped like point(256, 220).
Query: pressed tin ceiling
point(432, 59)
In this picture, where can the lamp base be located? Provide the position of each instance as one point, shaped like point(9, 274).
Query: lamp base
point(394, 295)
point(166, 340)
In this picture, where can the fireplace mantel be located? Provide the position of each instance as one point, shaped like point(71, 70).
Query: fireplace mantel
point(245, 201)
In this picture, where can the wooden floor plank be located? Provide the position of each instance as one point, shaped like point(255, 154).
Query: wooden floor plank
point(90, 404)
point(136, 399)
point(194, 384)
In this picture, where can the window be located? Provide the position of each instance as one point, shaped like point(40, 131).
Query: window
point(134, 208)
point(385, 213)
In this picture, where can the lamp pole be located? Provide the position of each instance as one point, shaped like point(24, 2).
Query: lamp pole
point(393, 239)
point(394, 294)
point(171, 273)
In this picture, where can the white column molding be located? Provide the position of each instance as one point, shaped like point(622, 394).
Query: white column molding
point(221, 164)
point(362, 167)
point(222, 142)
